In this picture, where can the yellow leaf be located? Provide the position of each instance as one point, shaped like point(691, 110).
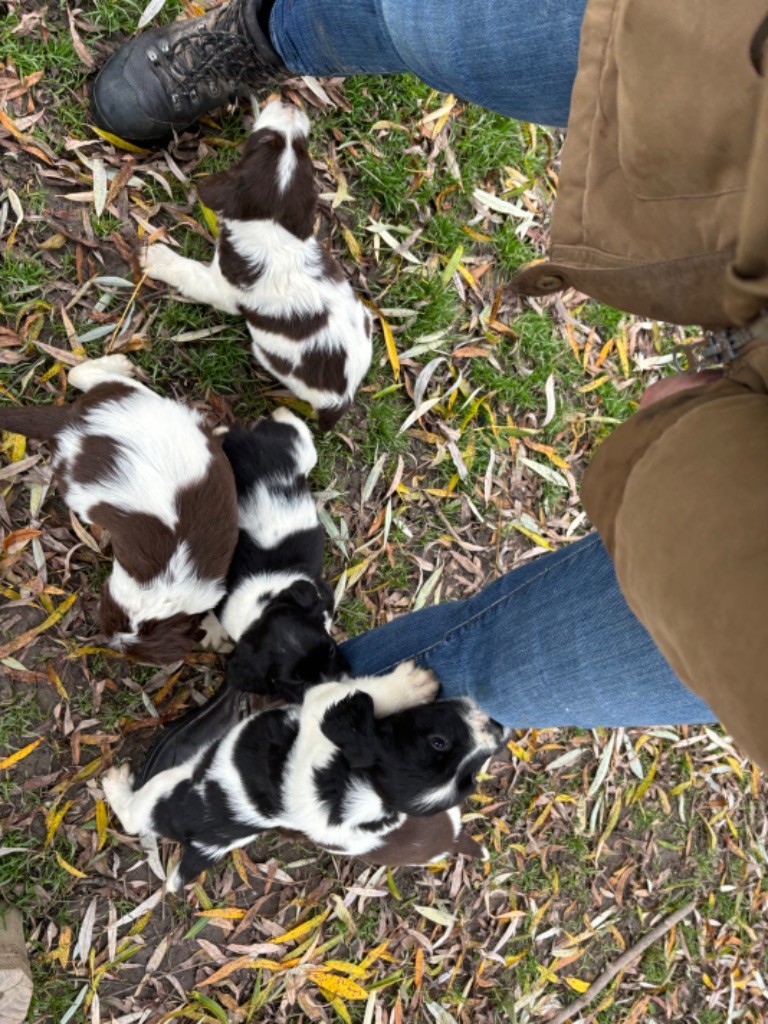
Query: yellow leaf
point(65, 944)
point(389, 341)
point(577, 984)
point(75, 872)
point(22, 640)
point(542, 542)
point(374, 954)
point(210, 219)
point(301, 929)
point(510, 961)
point(418, 970)
point(339, 1007)
point(115, 140)
point(346, 968)
point(242, 963)
point(477, 235)
point(13, 759)
point(621, 348)
point(18, 447)
point(53, 819)
point(597, 383)
point(546, 973)
point(227, 913)
point(642, 789)
point(237, 860)
point(352, 244)
point(345, 988)
point(101, 822)
point(520, 752)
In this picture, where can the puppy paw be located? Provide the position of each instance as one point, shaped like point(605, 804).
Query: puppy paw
point(117, 784)
point(215, 637)
point(420, 685)
point(159, 262)
point(86, 375)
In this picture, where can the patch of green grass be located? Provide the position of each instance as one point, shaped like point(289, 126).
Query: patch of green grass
point(124, 17)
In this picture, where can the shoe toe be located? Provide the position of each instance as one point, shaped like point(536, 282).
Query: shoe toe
point(120, 104)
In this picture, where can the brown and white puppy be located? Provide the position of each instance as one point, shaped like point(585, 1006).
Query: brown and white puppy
point(145, 468)
point(307, 325)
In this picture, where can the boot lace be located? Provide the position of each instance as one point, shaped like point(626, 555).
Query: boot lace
point(217, 58)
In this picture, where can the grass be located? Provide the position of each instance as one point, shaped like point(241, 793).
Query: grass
point(531, 917)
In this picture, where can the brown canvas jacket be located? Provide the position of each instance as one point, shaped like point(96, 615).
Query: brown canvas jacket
point(662, 205)
point(679, 494)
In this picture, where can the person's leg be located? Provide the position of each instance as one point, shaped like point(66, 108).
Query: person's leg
point(514, 56)
point(552, 643)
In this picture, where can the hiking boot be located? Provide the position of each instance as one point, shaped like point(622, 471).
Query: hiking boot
point(164, 79)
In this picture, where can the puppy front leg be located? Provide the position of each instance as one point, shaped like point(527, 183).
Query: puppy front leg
point(196, 281)
point(407, 686)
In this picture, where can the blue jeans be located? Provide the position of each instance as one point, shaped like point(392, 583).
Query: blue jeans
point(517, 57)
point(552, 643)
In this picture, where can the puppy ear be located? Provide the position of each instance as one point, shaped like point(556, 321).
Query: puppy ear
point(326, 597)
point(215, 191)
point(161, 641)
point(248, 669)
point(303, 594)
point(350, 725)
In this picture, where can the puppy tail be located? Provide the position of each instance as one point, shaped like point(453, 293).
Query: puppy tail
point(328, 418)
point(40, 422)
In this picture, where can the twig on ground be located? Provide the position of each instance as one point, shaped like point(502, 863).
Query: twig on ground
point(621, 962)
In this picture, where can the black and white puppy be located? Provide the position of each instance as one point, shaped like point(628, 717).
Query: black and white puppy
point(145, 468)
point(307, 326)
point(344, 768)
point(277, 608)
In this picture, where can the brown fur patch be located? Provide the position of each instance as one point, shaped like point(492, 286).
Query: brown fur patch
point(240, 272)
point(141, 543)
point(208, 516)
point(108, 391)
point(249, 190)
point(276, 364)
point(297, 327)
point(331, 268)
point(96, 460)
point(113, 617)
point(166, 640)
point(324, 370)
point(328, 418)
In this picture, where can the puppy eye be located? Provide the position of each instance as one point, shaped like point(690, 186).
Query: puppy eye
point(438, 742)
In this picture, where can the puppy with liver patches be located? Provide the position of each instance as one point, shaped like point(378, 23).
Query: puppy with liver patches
point(145, 468)
point(344, 768)
point(307, 326)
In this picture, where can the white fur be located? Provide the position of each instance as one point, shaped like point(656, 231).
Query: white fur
point(162, 451)
point(407, 686)
point(247, 601)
